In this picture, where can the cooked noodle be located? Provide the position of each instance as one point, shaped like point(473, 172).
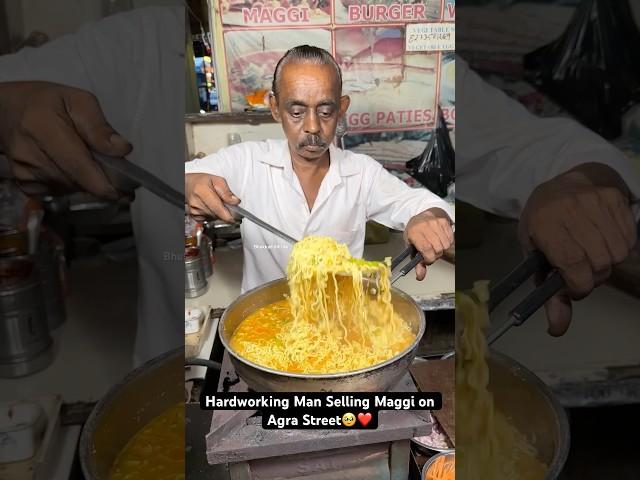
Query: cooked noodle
point(329, 323)
point(489, 445)
point(444, 468)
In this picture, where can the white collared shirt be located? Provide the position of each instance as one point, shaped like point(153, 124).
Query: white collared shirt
point(355, 189)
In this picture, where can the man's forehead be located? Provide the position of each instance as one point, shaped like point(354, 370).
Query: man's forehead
point(298, 72)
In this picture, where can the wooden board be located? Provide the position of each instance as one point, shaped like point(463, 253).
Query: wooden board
point(439, 376)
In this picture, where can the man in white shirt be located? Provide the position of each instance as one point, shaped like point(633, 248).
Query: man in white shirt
point(133, 64)
point(305, 185)
point(571, 190)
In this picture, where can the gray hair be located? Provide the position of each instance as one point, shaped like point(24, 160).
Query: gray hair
point(305, 54)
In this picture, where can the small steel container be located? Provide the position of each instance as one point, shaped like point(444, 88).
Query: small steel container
point(25, 343)
point(195, 278)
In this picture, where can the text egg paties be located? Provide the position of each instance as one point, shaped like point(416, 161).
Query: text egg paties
point(328, 324)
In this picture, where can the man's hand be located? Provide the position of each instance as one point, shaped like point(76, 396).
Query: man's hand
point(48, 132)
point(431, 233)
point(206, 196)
point(583, 223)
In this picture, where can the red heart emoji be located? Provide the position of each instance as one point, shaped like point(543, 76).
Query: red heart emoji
point(364, 418)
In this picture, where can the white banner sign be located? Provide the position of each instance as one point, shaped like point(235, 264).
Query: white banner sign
point(430, 37)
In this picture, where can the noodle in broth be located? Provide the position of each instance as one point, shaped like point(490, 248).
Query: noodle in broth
point(328, 324)
point(156, 452)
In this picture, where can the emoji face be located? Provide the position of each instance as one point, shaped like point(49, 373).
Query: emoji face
point(349, 419)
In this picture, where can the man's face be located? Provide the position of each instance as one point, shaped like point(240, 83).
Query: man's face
point(309, 107)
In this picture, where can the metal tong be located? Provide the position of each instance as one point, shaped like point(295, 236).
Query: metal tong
point(136, 177)
point(250, 216)
point(395, 262)
point(535, 262)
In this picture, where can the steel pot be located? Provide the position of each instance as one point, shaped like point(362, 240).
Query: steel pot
point(143, 395)
point(381, 377)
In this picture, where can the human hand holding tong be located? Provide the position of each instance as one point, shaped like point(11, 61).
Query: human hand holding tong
point(535, 263)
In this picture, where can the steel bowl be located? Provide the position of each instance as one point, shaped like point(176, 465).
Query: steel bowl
point(380, 377)
point(143, 395)
point(532, 408)
point(434, 459)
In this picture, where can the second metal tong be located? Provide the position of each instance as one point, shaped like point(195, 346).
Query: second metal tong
point(409, 266)
point(534, 263)
point(395, 262)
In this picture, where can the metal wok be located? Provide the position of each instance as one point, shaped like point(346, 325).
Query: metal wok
point(380, 377)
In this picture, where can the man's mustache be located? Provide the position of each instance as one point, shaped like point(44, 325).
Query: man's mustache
point(312, 141)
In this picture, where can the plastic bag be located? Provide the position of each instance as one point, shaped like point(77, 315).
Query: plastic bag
point(593, 69)
point(435, 166)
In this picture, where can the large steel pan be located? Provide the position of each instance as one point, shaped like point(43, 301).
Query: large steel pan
point(381, 377)
point(144, 394)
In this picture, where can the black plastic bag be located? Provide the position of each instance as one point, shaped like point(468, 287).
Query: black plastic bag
point(593, 69)
point(435, 166)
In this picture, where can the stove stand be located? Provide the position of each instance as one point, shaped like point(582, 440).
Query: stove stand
point(237, 439)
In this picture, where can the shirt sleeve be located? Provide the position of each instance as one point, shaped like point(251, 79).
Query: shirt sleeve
point(504, 152)
point(229, 163)
point(393, 203)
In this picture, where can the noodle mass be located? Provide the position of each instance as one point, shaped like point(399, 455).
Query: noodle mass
point(328, 324)
point(489, 445)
